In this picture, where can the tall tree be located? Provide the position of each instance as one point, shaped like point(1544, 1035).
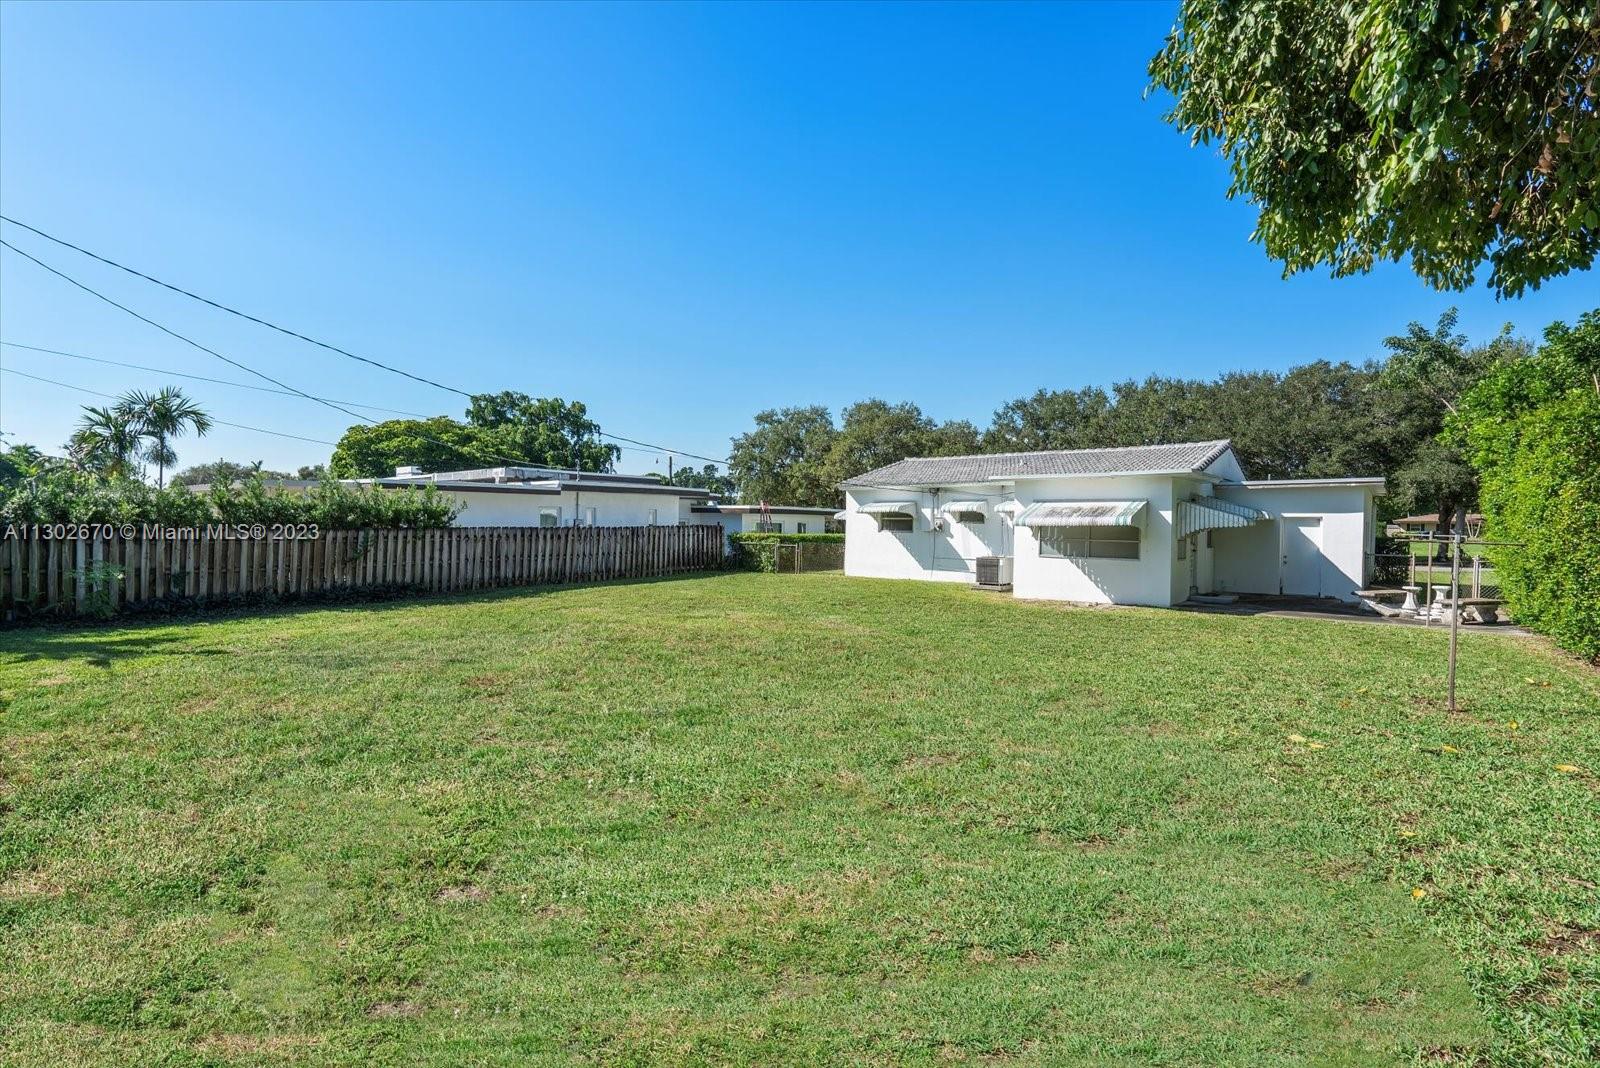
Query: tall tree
point(161, 417)
point(1440, 366)
point(507, 428)
point(540, 431)
point(709, 477)
point(1050, 419)
point(782, 460)
point(436, 444)
point(106, 442)
point(874, 433)
point(1450, 132)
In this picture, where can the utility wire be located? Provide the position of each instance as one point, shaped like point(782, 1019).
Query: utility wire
point(245, 367)
point(232, 311)
point(108, 396)
point(227, 382)
point(296, 334)
point(202, 378)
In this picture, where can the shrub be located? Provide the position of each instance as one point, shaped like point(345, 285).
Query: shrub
point(1532, 428)
point(66, 496)
point(754, 550)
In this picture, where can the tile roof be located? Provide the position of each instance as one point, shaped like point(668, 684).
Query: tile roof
point(1181, 458)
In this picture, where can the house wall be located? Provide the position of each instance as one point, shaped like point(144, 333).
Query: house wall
point(1248, 560)
point(948, 554)
point(736, 522)
point(1152, 579)
point(492, 509)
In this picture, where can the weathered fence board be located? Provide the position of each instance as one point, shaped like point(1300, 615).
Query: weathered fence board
point(109, 570)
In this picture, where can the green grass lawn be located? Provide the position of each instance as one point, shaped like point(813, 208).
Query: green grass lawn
point(765, 820)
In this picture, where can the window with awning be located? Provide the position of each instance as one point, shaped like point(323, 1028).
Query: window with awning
point(1213, 513)
point(898, 516)
point(1106, 530)
point(970, 513)
point(1083, 514)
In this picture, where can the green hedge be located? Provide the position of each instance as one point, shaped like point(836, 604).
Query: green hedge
point(66, 496)
point(1532, 429)
point(747, 546)
point(1545, 496)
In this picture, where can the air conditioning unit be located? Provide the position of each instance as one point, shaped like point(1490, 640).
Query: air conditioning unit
point(994, 572)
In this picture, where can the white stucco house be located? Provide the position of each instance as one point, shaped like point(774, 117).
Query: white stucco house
point(1146, 524)
point(547, 497)
point(778, 518)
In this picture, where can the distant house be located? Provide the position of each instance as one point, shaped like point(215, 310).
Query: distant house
point(1429, 524)
point(777, 519)
point(542, 497)
point(549, 497)
point(1148, 524)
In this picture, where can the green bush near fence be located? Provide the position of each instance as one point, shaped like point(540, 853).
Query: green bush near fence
point(66, 496)
point(757, 550)
point(1532, 429)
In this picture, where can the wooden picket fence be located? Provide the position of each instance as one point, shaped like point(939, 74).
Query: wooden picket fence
point(112, 571)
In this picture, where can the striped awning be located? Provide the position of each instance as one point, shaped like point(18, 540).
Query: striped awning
point(1083, 514)
point(962, 506)
point(1213, 513)
point(890, 508)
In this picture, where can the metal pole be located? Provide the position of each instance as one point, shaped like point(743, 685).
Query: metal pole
point(1455, 611)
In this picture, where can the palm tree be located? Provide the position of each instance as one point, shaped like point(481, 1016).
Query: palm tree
point(160, 417)
point(106, 440)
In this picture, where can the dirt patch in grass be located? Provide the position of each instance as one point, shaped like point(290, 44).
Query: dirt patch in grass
point(1566, 940)
point(32, 884)
point(226, 1045)
point(393, 1010)
point(455, 894)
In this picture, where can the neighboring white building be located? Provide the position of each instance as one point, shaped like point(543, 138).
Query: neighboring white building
point(1147, 524)
point(779, 519)
point(546, 497)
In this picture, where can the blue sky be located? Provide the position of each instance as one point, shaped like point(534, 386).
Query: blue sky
point(677, 214)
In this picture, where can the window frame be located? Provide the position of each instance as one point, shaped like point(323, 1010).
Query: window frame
point(1089, 539)
point(897, 517)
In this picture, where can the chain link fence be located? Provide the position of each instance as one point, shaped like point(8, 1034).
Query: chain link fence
point(797, 557)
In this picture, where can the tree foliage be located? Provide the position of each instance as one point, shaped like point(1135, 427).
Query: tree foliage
point(501, 429)
point(63, 495)
point(783, 459)
point(709, 477)
point(540, 431)
point(1531, 427)
point(1448, 132)
point(223, 471)
point(159, 418)
point(874, 432)
point(798, 456)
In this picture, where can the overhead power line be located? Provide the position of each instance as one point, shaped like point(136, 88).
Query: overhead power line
point(227, 382)
point(202, 378)
point(302, 337)
point(232, 311)
point(108, 396)
point(243, 367)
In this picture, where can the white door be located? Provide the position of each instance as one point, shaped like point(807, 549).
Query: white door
point(1302, 557)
